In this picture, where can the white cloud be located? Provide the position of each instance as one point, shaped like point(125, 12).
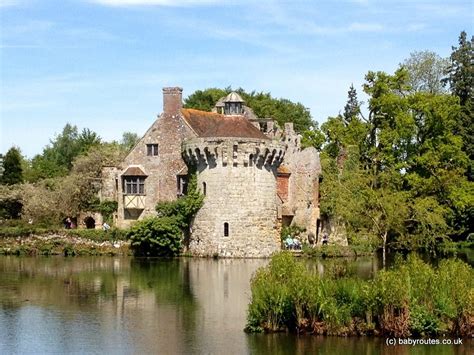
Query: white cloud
point(6, 3)
point(365, 27)
point(169, 3)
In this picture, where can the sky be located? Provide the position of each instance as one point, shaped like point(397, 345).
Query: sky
point(102, 64)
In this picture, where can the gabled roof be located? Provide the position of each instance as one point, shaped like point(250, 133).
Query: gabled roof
point(134, 171)
point(210, 124)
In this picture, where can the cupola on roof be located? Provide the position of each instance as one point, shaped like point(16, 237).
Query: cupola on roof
point(233, 97)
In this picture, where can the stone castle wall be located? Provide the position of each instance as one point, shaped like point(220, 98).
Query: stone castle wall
point(168, 131)
point(108, 189)
point(239, 176)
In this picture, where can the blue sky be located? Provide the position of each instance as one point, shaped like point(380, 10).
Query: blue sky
point(101, 64)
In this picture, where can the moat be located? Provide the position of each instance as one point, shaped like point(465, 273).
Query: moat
point(129, 305)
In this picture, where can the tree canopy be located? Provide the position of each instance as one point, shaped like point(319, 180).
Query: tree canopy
point(398, 176)
point(426, 69)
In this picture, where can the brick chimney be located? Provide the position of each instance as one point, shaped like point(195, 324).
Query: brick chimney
point(172, 100)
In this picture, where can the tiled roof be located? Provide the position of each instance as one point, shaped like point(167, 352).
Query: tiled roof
point(134, 171)
point(210, 124)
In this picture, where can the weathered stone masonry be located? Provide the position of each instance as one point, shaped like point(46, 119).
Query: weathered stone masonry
point(254, 175)
point(239, 179)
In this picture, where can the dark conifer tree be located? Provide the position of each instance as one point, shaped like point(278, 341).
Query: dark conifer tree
point(352, 108)
point(12, 170)
point(460, 77)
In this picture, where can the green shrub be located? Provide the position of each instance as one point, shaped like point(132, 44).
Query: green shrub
point(183, 209)
point(156, 237)
point(422, 321)
point(97, 235)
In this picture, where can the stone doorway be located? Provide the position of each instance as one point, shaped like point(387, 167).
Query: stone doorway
point(89, 222)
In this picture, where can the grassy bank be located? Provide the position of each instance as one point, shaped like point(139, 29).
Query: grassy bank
point(411, 299)
point(97, 235)
point(51, 241)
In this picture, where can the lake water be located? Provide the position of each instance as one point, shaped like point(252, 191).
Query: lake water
point(126, 305)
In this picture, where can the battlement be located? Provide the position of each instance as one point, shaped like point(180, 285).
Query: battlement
point(233, 152)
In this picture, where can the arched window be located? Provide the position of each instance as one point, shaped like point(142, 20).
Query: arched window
point(204, 188)
point(226, 229)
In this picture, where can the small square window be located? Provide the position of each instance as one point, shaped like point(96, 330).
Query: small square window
point(152, 150)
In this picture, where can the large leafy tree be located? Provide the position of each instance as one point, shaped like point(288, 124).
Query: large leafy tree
point(57, 158)
point(129, 140)
point(12, 167)
point(52, 199)
point(398, 176)
point(426, 69)
point(205, 99)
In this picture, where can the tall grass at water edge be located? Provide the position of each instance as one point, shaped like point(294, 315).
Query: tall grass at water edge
point(410, 299)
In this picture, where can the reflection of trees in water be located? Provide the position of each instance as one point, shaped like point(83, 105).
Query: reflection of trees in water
point(170, 281)
point(310, 344)
point(62, 282)
point(282, 344)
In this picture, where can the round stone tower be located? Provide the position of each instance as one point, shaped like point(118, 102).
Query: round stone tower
point(238, 178)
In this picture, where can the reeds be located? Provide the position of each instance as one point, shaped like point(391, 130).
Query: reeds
point(410, 299)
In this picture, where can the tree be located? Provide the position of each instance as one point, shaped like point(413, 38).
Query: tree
point(352, 108)
point(87, 139)
point(205, 99)
point(399, 176)
point(13, 171)
point(129, 140)
point(313, 137)
point(460, 72)
point(57, 158)
point(460, 77)
point(425, 70)
point(347, 130)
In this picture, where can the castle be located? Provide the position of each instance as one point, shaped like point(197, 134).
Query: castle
point(254, 176)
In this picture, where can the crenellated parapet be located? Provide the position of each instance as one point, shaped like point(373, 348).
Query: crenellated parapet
point(233, 152)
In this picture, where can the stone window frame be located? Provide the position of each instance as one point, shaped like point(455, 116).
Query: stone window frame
point(226, 229)
point(152, 150)
point(134, 185)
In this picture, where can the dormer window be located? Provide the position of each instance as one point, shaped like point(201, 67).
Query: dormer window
point(152, 150)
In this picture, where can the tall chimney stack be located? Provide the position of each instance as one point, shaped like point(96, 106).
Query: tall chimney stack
point(172, 100)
